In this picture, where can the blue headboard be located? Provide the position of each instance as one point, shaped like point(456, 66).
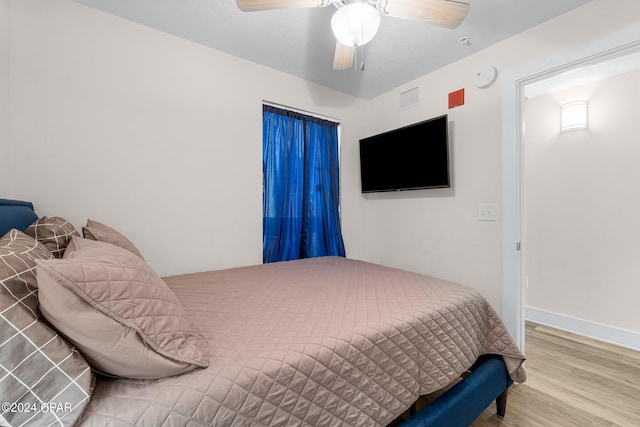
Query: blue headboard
point(15, 214)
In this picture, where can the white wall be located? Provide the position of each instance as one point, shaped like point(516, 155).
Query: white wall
point(151, 134)
point(154, 134)
point(4, 95)
point(436, 231)
point(582, 200)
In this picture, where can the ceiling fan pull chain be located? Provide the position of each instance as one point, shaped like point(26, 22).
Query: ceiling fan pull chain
point(355, 57)
point(362, 33)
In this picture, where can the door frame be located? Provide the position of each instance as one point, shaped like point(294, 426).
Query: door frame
point(513, 194)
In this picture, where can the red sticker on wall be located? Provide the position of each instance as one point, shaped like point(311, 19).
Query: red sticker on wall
point(456, 98)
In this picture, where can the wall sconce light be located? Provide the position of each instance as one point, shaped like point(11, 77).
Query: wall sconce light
point(574, 116)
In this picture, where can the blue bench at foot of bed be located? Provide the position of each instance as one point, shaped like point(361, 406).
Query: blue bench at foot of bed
point(464, 402)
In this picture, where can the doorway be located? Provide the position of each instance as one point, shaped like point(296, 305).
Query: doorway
point(515, 84)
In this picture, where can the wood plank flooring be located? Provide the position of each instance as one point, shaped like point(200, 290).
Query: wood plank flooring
point(571, 381)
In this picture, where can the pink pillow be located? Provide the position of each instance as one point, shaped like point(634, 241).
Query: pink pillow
point(118, 312)
point(95, 230)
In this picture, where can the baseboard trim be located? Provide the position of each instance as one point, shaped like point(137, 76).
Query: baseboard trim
point(621, 337)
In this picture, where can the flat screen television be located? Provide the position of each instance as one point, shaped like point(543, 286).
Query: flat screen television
point(409, 158)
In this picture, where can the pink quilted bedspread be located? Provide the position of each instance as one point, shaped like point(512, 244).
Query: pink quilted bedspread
point(324, 341)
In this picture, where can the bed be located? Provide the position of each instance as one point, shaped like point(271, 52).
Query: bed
point(323, 341)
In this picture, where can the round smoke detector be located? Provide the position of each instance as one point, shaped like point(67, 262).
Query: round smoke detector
point(485, 77)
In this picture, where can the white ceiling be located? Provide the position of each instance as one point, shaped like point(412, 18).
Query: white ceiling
point(300, 42)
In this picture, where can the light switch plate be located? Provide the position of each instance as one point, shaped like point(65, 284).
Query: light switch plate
point(487, 212)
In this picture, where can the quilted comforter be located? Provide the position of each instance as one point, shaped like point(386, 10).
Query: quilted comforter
point(324, 341)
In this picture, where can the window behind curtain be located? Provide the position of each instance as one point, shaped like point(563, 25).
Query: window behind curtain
point(301, 217)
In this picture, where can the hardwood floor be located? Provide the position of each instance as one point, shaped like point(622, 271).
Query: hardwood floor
point(572, 381)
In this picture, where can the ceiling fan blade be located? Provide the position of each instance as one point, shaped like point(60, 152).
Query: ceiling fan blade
point(256, 5)
point(343, 57)
point(445, 13)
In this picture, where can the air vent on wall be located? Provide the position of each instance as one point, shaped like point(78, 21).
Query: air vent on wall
point(409, 98)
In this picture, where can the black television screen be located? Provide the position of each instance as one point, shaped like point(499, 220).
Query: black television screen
point(409, 158)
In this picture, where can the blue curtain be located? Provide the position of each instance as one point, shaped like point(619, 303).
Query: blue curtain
point(300, 186)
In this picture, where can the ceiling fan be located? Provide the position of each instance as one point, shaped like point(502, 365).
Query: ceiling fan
point(356, 22)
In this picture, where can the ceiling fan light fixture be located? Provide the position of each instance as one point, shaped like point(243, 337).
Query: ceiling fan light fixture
point(355, 24)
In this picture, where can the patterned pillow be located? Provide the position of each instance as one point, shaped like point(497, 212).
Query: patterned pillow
point(18, 253)
point(54, 232)
point(95, 230)
point(43, 380)
point(118, 312)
